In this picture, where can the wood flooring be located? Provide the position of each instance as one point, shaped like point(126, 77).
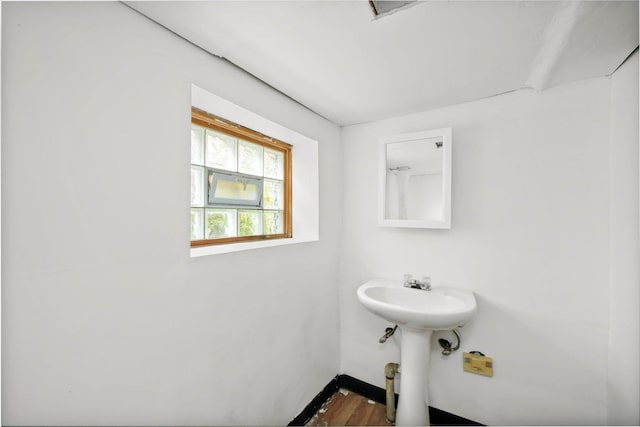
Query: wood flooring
point(346, 408)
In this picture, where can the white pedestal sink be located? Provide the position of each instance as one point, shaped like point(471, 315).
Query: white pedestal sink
point(418, 313)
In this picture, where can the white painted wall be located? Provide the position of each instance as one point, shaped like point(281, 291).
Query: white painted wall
point(106, 318)
point(532, 208)
point(624, 303)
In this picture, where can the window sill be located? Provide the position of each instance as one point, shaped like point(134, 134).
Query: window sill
point(237, 247)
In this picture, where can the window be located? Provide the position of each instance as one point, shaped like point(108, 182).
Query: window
point(240, 183)
point(304, 175)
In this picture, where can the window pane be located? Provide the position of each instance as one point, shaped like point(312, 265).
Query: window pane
point(220, 223)
point(197, 145)
point(273, 194)
point(250, 223)
point(250, 158)
point(236, 190)
point(221, 151)
point(197, 186)
point(196, 224)
point(231, 189)
point(273, 164)
point(273, 222)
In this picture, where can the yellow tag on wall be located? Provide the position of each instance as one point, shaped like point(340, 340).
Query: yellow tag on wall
point(477, 364)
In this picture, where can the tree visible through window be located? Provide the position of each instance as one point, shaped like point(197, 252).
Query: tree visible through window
point(240, 183)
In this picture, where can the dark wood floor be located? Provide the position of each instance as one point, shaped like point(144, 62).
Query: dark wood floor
point(346, 408)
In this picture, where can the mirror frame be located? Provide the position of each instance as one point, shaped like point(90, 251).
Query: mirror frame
point(445, 134)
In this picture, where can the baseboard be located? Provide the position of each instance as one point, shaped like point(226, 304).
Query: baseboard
point(377, 394)
point(309, 411)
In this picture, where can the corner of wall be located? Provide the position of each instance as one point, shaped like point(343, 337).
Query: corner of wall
point(623, 377)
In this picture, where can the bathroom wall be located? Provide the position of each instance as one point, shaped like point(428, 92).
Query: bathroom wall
point(624, 303)
point(532, 204)
point(106, 320)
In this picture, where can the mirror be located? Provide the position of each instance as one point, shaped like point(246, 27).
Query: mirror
point(415, 180)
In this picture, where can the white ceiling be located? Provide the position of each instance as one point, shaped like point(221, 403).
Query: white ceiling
point(337, 60)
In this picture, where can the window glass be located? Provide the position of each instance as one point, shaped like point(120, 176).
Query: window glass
point(272, 222)
point(197, 145)
point(197, 183)
point(273, 164)
point(250, 157)
point(250, 223)
point(220, 223)
point(221, 151)
point(197, 222)
point(272, 194)
point(234, 189)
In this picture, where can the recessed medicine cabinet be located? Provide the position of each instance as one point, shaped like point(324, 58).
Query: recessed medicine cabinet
point(415, 180)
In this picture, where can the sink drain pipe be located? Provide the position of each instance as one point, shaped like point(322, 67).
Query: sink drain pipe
point(390, 371)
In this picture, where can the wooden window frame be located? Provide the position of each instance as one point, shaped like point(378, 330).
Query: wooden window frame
point(218, 124)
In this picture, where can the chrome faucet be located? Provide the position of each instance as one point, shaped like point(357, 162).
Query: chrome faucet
point(410, 282)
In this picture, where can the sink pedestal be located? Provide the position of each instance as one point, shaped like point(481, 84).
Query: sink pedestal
point(413, 409)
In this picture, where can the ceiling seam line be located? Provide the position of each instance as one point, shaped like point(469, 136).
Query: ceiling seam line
point(236, 66)
point(624, 60)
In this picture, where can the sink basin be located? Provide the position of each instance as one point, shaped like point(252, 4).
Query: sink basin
point(418, 313)
point(438, 309)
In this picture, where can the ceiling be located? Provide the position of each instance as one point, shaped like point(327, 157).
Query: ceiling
point(337, 59)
